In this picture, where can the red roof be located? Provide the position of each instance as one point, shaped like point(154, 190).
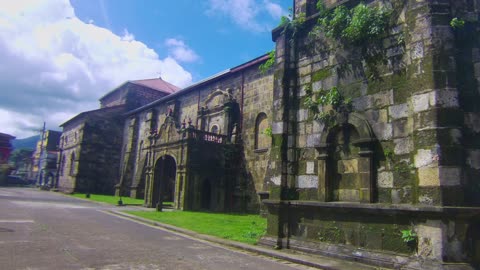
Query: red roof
point(158, 84)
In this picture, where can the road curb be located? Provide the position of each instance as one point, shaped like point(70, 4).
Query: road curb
point(320, 262)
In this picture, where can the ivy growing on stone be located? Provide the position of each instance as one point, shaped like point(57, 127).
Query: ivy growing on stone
point(294, 24)
point(358, 25)
point(457, 23)
point(267, 131)
point(332, 99)
point(269, 63)
point(363, 26)
point(408, 236)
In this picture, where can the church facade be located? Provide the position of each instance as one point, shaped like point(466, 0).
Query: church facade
point(203, 148)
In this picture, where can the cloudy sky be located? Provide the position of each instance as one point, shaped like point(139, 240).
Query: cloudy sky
point(60, 56)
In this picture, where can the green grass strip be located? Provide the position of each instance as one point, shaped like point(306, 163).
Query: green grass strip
point(109, 199)
point(238, 227)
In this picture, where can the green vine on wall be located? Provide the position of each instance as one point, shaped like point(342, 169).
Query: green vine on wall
point(332, 99)
point(363, 26)
point(457, 23)
point(269, 63)
point(268, 132)
point(293, 23)
point(287, 22)
point(359, 25)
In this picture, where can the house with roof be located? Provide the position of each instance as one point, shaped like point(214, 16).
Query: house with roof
point(91, 142)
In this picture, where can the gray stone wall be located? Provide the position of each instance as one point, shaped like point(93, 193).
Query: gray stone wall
point(249, 88)
point(407, 143)
point(70, 144)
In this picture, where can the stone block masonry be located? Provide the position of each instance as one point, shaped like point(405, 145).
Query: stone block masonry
point(408, 145)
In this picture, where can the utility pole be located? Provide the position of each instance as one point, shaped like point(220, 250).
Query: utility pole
point(39, 172)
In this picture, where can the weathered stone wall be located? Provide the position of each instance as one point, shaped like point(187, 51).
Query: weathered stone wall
point(467, 66)
point(250, 91)
point(258, 99)
point(131, 95)
point(100, 155)
point(116, 98)
point(90, 148)
point(403, 143)
point(70, 144)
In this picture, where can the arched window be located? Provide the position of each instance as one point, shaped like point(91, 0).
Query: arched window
point(62, 165)
point(262, 132)
point(72, 164)
point(215, 129)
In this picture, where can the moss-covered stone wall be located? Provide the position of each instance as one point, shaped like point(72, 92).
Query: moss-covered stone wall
point(406, 138)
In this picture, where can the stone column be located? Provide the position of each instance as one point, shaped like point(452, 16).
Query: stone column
point(435, 109)
point(323, 186)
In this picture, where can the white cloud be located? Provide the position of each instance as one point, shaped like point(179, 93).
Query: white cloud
point(127, 36)
point(55, 66)
point(248, 14)
point(180, 51)
point(275, 10)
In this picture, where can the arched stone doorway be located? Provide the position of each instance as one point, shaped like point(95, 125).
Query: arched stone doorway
point(164, 180)
point(346, 160)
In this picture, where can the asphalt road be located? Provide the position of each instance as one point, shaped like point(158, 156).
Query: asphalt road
point(44, 230)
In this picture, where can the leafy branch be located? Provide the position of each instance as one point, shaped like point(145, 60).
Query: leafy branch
point(457, 23)
point(358, 25)
point(269, 63)
point(331, 97)
point(408, 236)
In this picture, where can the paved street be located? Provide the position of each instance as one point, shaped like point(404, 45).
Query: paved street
point(45, 230)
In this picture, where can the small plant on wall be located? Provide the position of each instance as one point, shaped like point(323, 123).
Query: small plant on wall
point(334, 102)
point(295, 24)
point(410, 238)
point(267, 131)
point(457, 23)
point(269, 63)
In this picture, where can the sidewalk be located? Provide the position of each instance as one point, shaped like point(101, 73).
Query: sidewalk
point(316, 261)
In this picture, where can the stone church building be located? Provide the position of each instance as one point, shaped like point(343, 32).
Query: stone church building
point(204, 147)
point(362, 151)
point(91, 142)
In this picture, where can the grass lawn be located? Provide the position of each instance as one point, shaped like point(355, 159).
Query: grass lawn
point(110, 199)
point(237, 227)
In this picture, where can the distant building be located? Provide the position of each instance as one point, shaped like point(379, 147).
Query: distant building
point(5, 147)
point(22, 161)
point(44, 159)
point(5, 150)
point(91, 142)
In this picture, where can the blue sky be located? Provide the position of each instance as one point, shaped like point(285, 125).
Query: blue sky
point(60, 56)
point(220, 39)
